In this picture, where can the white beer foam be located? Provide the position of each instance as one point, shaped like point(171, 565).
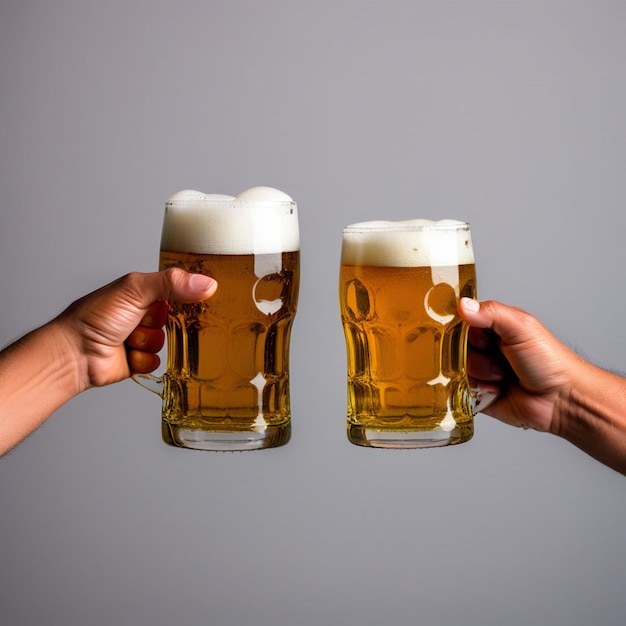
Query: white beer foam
point(261, 220)
point(260, 194)
point(409, 243)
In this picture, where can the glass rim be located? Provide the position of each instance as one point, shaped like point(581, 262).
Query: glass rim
point(400, 227)
point(203, 204)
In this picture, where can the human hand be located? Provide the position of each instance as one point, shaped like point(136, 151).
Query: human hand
point(118, 329)
point(521, 370)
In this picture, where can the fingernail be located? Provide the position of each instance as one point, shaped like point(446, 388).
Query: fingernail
point(201, 282)
point(471, 305)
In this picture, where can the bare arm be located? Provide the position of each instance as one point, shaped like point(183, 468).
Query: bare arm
point(38, 374)
point(100, 339)
point(540, 383)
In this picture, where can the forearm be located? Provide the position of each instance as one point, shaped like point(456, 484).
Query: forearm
point(38, 374)
point(592, 415)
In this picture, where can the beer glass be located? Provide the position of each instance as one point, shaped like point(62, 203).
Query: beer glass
point(406, 344)
point(226, 384)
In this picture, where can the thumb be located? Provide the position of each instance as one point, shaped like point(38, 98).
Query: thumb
point(186, 287)
point(173, 284)
point(511, 324)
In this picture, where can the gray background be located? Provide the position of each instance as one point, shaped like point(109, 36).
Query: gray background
point(507, 114)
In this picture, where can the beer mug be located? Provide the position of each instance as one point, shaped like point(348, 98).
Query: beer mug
point(406, 345)
point(226, 384)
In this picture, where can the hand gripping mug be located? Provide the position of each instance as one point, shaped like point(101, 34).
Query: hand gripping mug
point(406, 345)
point(226, 384)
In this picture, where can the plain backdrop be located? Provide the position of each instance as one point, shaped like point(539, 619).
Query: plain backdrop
point(510, 115)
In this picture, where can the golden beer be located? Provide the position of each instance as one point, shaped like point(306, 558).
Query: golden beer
point(406, 345)
point(226, 385)
point(228, 357)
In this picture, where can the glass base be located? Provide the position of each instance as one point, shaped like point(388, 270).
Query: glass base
point(362, 436)
point(226, 440)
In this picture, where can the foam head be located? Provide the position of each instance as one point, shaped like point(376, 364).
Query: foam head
point(264, 194)
point(254, 222)
point(410, 243)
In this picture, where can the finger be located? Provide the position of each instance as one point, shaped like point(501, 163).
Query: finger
point(142, 362)
point(146, 339)
point(480, 338)
point(186, 287)
point(485, 367)
point(173, 284)
point(511, 324)
point(155, 315)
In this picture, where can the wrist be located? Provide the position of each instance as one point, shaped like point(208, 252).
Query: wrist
point(566, 405)
point(38, 374)
point(67, 355)
point(590, 414)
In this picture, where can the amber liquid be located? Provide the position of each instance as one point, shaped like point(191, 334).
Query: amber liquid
point(406, 350)
point(228, 357)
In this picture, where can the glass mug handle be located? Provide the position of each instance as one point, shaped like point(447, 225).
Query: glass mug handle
point(483, 396)
point(150, 382)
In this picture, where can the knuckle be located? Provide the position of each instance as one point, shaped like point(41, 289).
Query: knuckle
point(174, 276)
point(132, 282)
